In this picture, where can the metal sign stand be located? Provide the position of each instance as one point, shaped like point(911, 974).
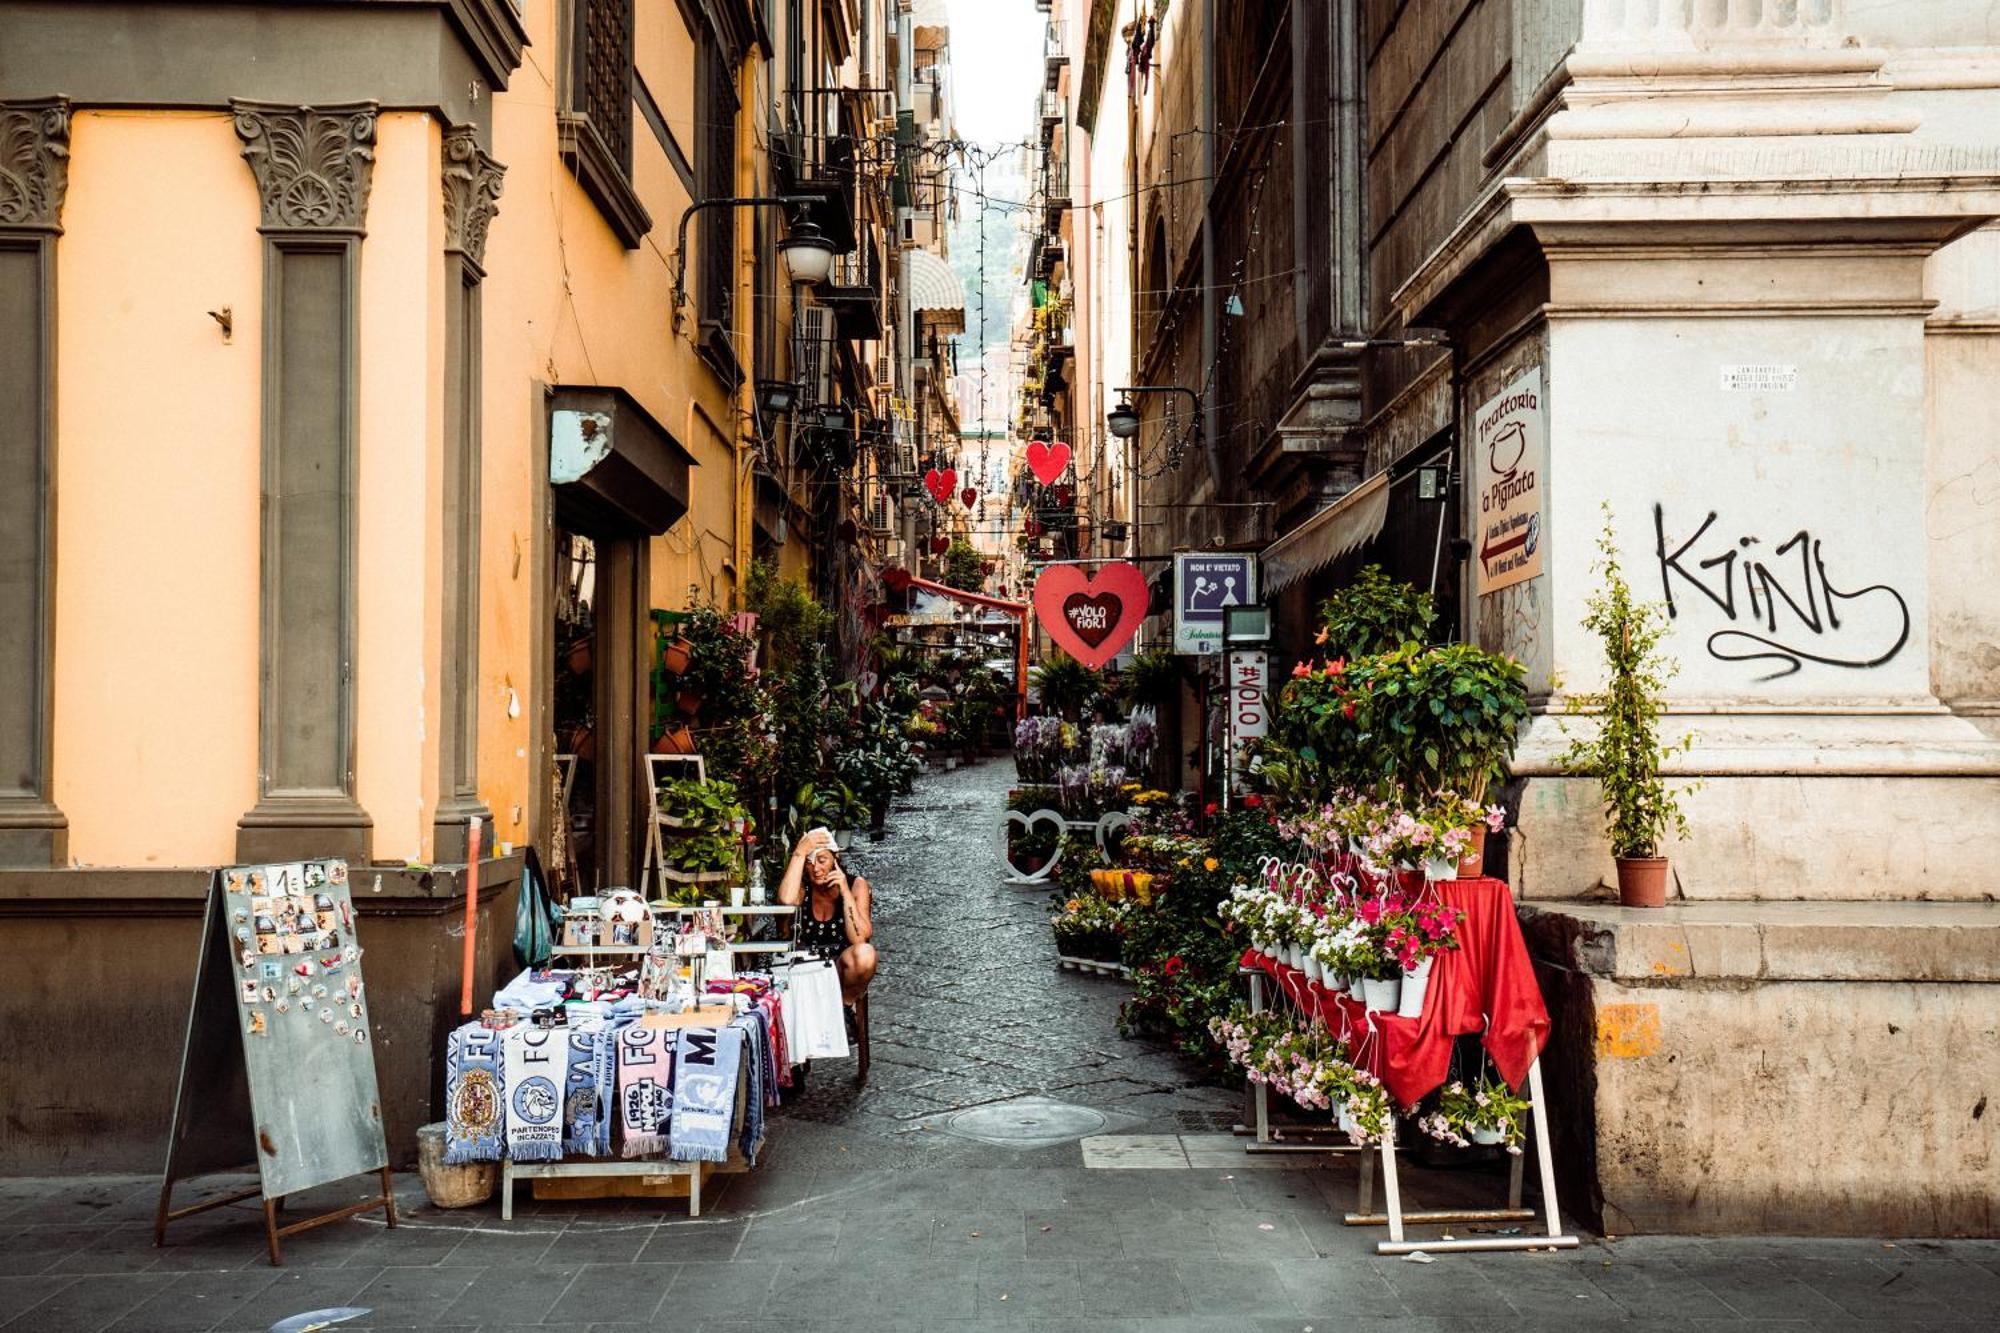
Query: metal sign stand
point(219, 1082)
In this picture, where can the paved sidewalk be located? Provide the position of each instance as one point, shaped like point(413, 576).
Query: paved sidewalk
point(904, 1205)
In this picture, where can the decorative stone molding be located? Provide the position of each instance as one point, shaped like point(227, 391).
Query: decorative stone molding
point(471, 193)
point(1702, 23)
point(34, 163)
point(313, 164)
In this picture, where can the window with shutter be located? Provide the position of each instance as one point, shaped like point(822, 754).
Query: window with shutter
point(594, 125)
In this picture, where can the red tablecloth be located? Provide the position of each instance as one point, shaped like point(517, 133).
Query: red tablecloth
point(1486, 984)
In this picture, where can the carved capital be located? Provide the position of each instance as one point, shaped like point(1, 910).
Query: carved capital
point(471, 193)
point(312, 164)
point(34, 163)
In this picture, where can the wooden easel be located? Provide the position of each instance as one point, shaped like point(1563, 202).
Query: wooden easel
point(656, 847)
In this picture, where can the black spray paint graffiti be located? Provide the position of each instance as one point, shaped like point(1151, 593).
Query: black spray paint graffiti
point(1813, 603)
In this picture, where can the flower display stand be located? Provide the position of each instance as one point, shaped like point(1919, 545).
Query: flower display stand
point(1101, 828)
point(1095, 966)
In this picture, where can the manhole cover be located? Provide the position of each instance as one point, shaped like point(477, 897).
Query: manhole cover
point(1027, 1122)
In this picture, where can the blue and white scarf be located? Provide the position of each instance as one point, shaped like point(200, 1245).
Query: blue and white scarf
point(583, 1096)
point(646, 1092)
point(536, 1061)
point(474, 1093)
point(705, 1065)
point(751, 1140)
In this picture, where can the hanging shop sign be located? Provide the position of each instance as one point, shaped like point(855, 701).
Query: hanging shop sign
point(1048, 461)
point(294, 1083)
point(1510, 454)
point(1091, 616)
point(1249, 711)
point(1204, 585)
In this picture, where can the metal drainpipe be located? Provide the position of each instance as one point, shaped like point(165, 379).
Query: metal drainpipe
point(1210, 307)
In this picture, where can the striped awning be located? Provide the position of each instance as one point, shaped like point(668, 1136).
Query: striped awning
point(1353, 519)
point(935, 291)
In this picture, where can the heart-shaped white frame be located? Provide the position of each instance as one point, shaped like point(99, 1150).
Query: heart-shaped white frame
point(1015, 875)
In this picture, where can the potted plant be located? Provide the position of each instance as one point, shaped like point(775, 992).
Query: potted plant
point(1487, 1113)
point(1624, 752)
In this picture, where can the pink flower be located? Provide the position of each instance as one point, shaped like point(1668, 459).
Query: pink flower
point(1496, 818)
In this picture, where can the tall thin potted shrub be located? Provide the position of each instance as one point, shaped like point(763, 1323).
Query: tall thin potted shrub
point(1625, 753)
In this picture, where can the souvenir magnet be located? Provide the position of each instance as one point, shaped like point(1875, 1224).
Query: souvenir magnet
point(270, 994)
point(326, 1015)
point(284, 1006)
point(293, 985)
point(256, 1024)
point(354, 986)
point(249, 992)
point(303, 969)
point(319, 992)
point(248, 958)
point(243, 933)
point(361, 1036)
point(340, 1028)
point(336, 871)
point(242, 917)
point(270, 971)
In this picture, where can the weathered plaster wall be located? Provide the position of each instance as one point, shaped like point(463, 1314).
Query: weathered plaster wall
point(157, 490)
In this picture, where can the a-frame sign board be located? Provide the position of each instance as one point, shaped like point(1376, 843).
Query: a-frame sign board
point(294, 1083)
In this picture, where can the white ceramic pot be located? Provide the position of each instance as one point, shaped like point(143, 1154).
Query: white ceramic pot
point(1486, 1135)
point(1381, 996)
point(1415, 984)
point(1440, 867)
point(1314, 972)
point(1343, 1119)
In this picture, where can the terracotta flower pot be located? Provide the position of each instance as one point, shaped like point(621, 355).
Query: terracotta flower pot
point(677, 656)
point(688, 701)
point(1642, 881)
point(579, 656)
point(677, 740)
point(581, 741)
point(1473, 864)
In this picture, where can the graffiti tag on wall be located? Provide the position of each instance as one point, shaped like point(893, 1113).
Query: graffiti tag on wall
point(1782, 607)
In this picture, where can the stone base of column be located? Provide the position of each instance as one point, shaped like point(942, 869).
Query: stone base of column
point(448, 831)
point(281, 829)
point(33, 834)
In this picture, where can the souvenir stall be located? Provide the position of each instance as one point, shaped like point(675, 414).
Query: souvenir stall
point(644, 1058)
point(1362, 980)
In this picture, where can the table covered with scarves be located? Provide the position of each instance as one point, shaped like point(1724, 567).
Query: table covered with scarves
point(620, 1085)
point(1485, 986)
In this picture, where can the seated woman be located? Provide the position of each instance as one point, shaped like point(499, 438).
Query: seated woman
point(835, 921)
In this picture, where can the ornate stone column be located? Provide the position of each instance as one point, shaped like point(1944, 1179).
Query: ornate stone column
point(34, 172)
point(312, 167)
point(471, 180)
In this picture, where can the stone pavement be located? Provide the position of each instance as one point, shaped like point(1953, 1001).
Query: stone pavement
point(876, 1208)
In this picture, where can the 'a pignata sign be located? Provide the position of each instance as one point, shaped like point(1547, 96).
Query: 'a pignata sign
point(1510, 454)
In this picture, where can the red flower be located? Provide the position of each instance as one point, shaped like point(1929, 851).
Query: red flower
point(1174, 965)
point(1209, 810)
point(1347, 710)
point(1302, 670)
point(1253, 801)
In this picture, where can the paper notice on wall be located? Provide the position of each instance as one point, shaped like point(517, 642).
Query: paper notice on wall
point(1510, 447)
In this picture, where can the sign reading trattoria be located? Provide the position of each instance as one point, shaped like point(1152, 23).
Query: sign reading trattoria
point(1510, 454)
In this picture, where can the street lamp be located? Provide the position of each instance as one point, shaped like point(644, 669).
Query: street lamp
point(1123, 421)
point(807, 253)
point(777, 398)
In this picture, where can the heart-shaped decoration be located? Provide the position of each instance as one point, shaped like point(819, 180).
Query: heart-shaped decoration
point(941, 483)
point(1016, 875)
point(968, 497)
point(1091, 616)
point(1047, 460)
point(940, 544)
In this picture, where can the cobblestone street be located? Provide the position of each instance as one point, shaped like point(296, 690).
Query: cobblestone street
point(875, 1209)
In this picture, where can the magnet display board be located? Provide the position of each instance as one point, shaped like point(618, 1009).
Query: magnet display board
point(280, 963)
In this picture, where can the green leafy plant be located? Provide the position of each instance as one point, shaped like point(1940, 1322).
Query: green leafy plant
point(711, 806)
point(1067, 687)
point(877, 761)
point(1625, 753)
point(704, 853)
point(1152, 680)
point(1374, 614)
point(964, 566)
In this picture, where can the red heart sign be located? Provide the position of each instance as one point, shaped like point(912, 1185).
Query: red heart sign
point(969, 497)
point(939, 545)
point(1047, 461)
point(941, 483)
point(1091, 616)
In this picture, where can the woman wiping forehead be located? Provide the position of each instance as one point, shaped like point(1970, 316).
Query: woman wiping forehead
point(835, 922)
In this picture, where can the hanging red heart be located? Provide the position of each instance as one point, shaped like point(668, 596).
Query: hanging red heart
point(1047, 461)
point(895, 578)
point(941, 483)
point(1091, 616)
point(969, 497)
point(940, 544)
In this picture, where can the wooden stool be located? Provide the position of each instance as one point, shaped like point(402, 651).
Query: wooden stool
point(860, 1010)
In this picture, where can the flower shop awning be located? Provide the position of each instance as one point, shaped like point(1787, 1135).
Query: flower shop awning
point(1020, 611)
point(1353, 519)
